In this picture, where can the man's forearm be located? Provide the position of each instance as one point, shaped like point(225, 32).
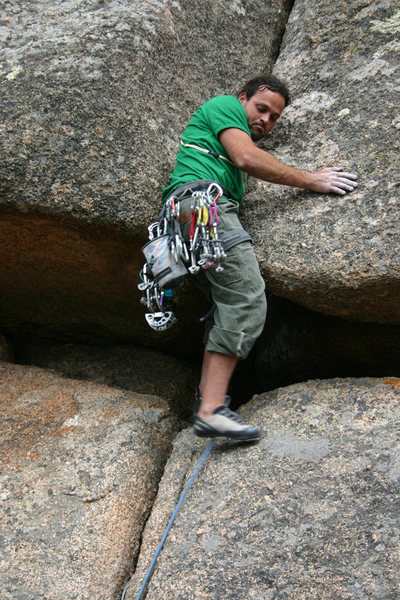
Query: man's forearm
point(261, 164)
point(329, 180)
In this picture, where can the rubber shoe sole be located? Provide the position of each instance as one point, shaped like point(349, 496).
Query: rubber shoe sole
point(225, 423)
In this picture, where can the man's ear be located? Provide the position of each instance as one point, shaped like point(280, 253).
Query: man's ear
point(242, 97)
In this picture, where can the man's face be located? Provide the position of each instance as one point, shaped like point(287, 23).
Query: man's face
point(262, 110)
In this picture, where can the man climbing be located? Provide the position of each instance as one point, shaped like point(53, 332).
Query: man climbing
point(218, 145)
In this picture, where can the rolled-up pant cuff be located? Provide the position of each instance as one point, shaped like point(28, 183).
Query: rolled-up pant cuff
point(228, 342)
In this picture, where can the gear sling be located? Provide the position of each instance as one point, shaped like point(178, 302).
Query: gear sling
point(167, 253)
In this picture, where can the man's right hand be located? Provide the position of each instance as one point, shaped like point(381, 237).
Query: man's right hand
point(333, 180)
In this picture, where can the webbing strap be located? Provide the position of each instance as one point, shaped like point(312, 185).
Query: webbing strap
point(207, 151)
point(184, 190)
point(234, 237)
point(162, 274)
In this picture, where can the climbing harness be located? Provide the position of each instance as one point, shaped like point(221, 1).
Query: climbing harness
point(196, 470)
point(166, 253)
point(169, 258)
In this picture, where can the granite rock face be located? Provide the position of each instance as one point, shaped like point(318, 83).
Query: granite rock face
point(136, 369)
point(337, 255)
point(97, 93)
point(309, 512)
point(80, 465)
point(95, 97)
point(68, 283)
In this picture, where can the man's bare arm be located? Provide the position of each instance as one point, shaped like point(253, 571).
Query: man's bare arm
point(263, 165)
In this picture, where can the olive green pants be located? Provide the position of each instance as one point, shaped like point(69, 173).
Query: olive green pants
point(238, 292)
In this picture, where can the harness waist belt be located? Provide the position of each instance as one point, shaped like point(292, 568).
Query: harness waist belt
point(200, 185)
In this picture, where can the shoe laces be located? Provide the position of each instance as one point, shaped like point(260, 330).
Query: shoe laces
point(227, 412)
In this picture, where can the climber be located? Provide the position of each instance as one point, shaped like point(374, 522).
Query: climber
point(218, 145)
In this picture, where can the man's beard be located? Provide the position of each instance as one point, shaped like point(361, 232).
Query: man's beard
point(256, 133)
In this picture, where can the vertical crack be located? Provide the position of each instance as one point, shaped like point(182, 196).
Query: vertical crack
point(288, 9)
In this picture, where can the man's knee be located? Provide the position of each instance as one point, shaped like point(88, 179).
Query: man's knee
point(235, 331)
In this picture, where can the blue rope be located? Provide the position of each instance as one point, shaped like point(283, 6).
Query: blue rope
point(208, 315)
point(195, 472)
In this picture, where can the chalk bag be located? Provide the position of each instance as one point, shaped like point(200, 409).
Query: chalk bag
point(168, 270)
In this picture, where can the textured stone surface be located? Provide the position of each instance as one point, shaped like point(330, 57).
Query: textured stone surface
point(97, 93)
point(80, 464)
point(136, 369)
point(337, 255)
point(309, 512)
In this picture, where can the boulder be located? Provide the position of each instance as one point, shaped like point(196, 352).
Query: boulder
point(131, 368)
point(336, 255)
point(80, 466)
point(309, 512)
point(95, 97)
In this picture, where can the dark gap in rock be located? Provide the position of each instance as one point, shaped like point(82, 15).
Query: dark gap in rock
point(299, 344)
point(289, 4)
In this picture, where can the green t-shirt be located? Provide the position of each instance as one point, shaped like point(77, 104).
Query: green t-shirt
point(208, 121)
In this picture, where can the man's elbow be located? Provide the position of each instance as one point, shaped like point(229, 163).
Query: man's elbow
point(243, 161)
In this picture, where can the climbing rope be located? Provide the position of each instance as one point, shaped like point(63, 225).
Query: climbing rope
point(196, 470)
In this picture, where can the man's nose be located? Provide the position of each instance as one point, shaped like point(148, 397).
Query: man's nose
point(266, 121)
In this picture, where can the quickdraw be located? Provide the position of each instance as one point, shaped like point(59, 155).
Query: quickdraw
point(206, 249)
point(166, 253)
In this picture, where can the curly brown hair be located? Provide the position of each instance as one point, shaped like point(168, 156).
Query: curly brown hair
point(265, 81)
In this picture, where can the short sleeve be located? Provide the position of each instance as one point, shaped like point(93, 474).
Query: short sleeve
point(223, 112)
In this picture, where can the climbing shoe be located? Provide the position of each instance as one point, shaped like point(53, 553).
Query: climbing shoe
point(225, 423)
